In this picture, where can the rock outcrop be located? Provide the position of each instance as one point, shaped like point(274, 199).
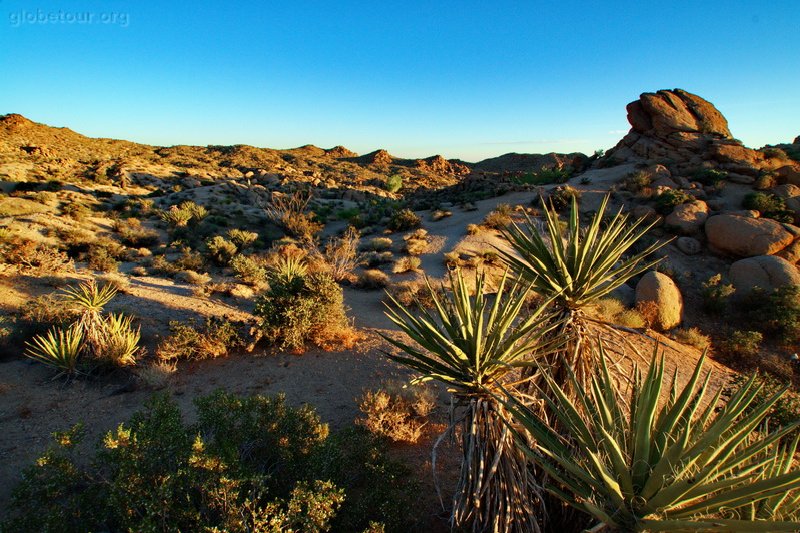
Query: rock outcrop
point(767, 272)
point(439, 165)
point(659, 289)
point(688, 218)
point(685, 133)
point(745, 237)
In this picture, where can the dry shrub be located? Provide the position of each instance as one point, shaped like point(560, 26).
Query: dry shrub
point(161, 265)
point(452, 259)
point(406, 264)
point(215, 339)
point(373, 259)
point(416, 242)
point(156, 375)
point(413, 293)
point(340, 254)
point(289, 213)
point(379, 244)
point(47, 310)
point(372, 279)
point(397, 413)
point(631, 318)
point(138, 271)
point(692, 337)
point(132, 233)
point(649, 312)
point(499, 218)
point(42, 258)
point(439, 214)
point(118, 281)
point(614, 311)
point(473, 229)
point(192, 278)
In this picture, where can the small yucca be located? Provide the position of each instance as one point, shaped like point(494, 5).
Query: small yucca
point(120, 343)
point(89, 296)
point(59, 348)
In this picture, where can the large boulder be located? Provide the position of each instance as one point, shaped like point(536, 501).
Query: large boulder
point(659, 289)
point(746, 237)
point(666, 112)
point(688, 218)
point(767, 272)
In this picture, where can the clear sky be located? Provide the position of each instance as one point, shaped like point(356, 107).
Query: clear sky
point(464, 79)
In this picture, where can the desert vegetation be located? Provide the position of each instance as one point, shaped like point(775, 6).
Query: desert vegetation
point(497, 314)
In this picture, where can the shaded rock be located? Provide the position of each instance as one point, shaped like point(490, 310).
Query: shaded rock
point(792, 252)
point(659, 289)
point(746, 237)
point(625, 294)
point(688, 218)
point(689, 245)
point(441, 165)
point(767, 272)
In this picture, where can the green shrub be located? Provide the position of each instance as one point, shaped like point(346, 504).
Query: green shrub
point(101, 258)
point(76, 211)
point(711, 177)
point(220, 250)
point(394, 183)
point(249, 269)
point(404, 219)
point(667, 200)
point(155, 473)
point(637, 181)
point(186, 341)
point(769, 205)
point(716, 295)
point(300, 308)
point(562, 197)
point(741, 344)
point(545, 176)
point(777, 312)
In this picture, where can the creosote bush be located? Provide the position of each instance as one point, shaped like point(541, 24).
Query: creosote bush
point(247, 464)
point(404, 219)
point(216, 338)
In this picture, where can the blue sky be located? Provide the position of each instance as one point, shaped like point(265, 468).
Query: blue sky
point(463, 79)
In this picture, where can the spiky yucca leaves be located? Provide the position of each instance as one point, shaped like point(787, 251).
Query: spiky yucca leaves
point(675, 465)
point(471, 344)
point(90, 299)
point(120, 342)
point(577, 269)
point(59, 348)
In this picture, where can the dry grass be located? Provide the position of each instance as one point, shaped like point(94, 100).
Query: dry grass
point(397, 413)
point(692, 337)
point(157, 374)
point(372, 279)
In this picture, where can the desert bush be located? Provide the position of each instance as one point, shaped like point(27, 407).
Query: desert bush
point(769, 205)
point(216, 338)
point(161, 265)
point(439, 214)
point(711, 177)
point(373, 259)
point(545, 176)
point(251, 270)
point(119, 282)
point(765, 181)
point(138, 271)
point(340, 255)
point(667, 200)
point(101, 258)
point(132, 233)
point(394, 183)
point(76, 211)
point(156, 375)
point(562, 197)
point(716, 294)
point(189, 260)
point(741, 344)
point(416, 243)
point(499, 218)
point(220, 250)
point(473, 229)
point(155, 473)
point(379, 244)
point(414, 293)
point(406, 264)
point(29, 254)
point(404, 219)
point(776, 312)
point(193, 278)
point(692, 337)
point(242, 239)
point(300, 307)
point(289, 212)
point(372, 279)
point(397, 413)
point(637, 182)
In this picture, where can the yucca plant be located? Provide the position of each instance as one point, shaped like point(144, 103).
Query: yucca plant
point(576, 270)
point(472, 345)
point(640, 462)
point(90, 299)
point(120, 341)
point(59, 348)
